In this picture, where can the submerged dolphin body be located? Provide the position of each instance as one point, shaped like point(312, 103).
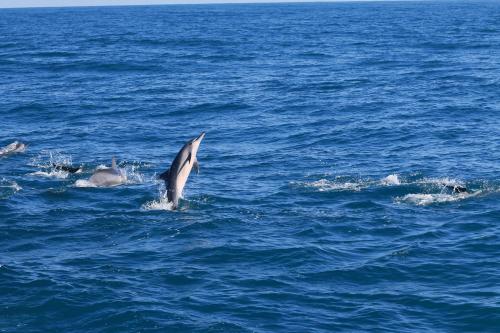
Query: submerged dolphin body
point(457, 188)
point(14, 147)
point(108, 176)
point(176, 177)
point(66, 168)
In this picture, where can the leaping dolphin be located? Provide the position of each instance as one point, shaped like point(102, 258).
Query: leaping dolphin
point(176, 177)
point(109, 176)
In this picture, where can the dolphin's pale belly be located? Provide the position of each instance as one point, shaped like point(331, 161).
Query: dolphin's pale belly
point(108, 177)
point(182, 178)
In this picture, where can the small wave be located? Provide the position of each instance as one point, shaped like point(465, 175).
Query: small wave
point(54, 54)
point(8, 188)
point(94, 66)
point(10, 184)
point(391, 180)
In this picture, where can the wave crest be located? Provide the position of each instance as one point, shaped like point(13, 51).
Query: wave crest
point(8, 188)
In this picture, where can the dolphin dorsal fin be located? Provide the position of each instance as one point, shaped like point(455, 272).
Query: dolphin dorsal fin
point(164, 175)
point(113, 163)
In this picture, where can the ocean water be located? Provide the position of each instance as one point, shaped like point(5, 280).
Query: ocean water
point(321, 203)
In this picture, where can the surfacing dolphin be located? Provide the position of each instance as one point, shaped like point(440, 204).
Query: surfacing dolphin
point(457, 189)
point(14, 147)
point(108, 176)
point(176, 177)
point(67, 168)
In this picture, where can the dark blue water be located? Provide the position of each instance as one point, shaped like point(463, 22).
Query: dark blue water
point(321, 205)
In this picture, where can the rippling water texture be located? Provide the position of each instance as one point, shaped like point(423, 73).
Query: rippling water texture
point(321, 205)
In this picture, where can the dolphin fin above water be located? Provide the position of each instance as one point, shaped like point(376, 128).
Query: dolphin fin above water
point(109, 176)
point(164, 175)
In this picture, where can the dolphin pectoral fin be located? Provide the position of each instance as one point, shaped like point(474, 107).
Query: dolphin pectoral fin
point(164, 175)
point(196, 166)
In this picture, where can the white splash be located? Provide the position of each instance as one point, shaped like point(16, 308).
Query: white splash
point(424, 199)
point(440, 181)
point(161, 204)
point(49, 161)
point(133, 175)
point(51, 174)
point(391, 180)
point(324, 185)
point(48, 158)
point(14, 147)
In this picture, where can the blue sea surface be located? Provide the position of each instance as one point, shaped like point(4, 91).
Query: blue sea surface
point(335, 133)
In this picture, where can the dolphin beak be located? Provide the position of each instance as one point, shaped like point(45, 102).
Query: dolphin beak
point(200, 137)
